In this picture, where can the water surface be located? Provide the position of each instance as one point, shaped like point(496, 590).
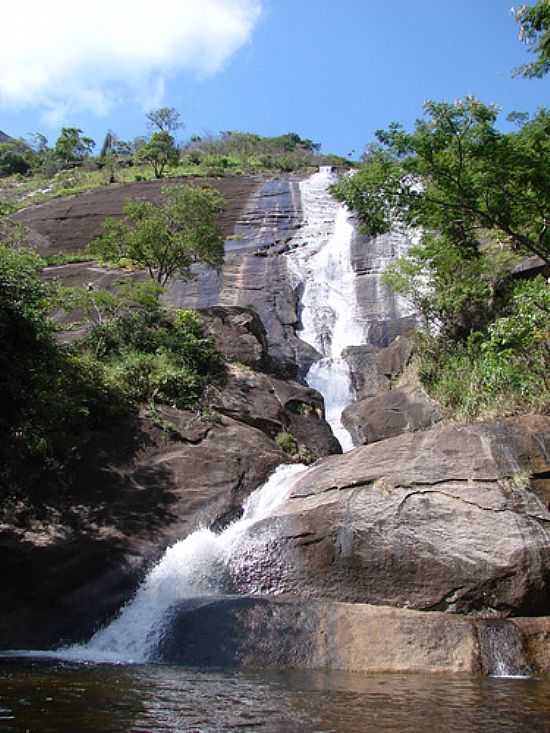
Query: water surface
point(47, 696)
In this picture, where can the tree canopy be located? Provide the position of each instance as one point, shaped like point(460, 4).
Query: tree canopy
point(167, 239)
point(72, 145)
point(534, 23)
point(164, 119)
point(457, 174)
point(160, 151)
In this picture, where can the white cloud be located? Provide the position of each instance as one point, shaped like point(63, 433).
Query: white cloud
point(64, 55)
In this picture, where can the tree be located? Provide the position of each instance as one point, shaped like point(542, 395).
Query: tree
point(160, 152)
point(71, 146)
point(458, 175)
point(164, 119)
point(534, 23)
point(13, 160)
point(38, 142)
point(167, 239)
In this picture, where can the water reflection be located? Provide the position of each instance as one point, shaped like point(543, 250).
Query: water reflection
point(45, 696)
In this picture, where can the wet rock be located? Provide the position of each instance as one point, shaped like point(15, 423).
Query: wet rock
point(281, 633)
point(71, 564)
point(399, 411)
point(535, 634)
point(257, 631)
point(442, 520)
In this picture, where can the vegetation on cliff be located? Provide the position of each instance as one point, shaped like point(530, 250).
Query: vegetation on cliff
point(54, 394)
point(479, 199)
point(32, 172)
point(166, 239)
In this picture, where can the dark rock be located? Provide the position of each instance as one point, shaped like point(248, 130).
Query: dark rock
point(444, 519)
point(239, 335)
point(275, 406)
point(366, 376)
point(256, 631)
point(399, 411)
point(373, 368)
point(392, 360)
point(69, 224)
point(71, 564)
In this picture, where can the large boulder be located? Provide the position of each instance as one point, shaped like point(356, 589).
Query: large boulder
point(284, 632)
point(452, 519)
point(256, 631)
point(400, 410)
point(276, 406)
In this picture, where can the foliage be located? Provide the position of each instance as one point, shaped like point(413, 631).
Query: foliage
point(502, 370)
point(287, 443)
point(247, 152)
point(13, 160)
point(72, 146)
point(160, 151)
point(458, 175)
point(54, 396)
point(165, 119)
point(455, 290)
point(49, 395)
point(534, 23)
point(475, 199)
point(166, 239)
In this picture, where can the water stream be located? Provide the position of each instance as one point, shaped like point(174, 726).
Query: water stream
point(199, 565)
point(321, 262)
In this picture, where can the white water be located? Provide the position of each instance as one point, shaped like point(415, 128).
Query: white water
point(330, 314)
point(196, 566)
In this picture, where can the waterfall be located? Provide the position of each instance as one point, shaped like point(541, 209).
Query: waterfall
point(321, 261)
point(502, 649)
point(198, 565)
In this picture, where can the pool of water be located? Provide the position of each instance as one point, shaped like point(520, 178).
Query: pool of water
point(43, 696)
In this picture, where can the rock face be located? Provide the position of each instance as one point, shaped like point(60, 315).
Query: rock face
point(255, 274)
point(74, 563)
point(267, 632)
point(381, 411)
point(69, 224)
point(259, 219)
point(144, 483)
point(253, 631)
point(399, 411)
point(451, 519)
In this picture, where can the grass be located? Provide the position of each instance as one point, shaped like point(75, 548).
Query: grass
point(20, 191)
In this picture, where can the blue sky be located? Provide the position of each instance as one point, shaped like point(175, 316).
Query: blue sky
point(331, 71)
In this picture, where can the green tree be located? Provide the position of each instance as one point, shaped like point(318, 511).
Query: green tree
point(164, 119)
point(13, 159)
point(458, 175)
point(72, 146)
point(160, 151)
point(534, 23)
point(167, 239)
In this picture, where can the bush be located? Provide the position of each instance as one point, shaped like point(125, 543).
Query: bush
point(287, 443)
point(54, 396)
point(500, 371)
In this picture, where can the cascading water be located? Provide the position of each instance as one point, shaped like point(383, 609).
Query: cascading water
point(199, 565)
point(330, 321)
point(502, 649)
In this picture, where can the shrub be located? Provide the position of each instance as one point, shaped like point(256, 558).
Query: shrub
point(287, 443)
point(499, 371)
